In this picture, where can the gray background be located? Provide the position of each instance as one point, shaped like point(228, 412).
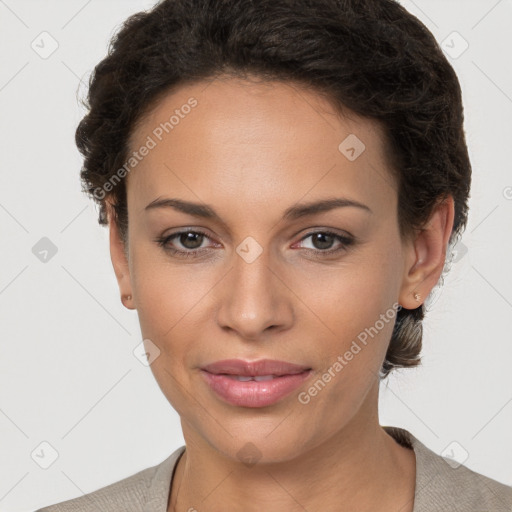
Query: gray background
point(68, 375)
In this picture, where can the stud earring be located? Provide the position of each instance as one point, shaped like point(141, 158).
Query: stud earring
point(127, 297)
point(417, 297)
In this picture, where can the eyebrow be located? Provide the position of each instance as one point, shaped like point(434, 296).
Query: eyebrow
point(292, 213)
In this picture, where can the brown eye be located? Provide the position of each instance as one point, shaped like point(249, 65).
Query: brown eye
point(322, 242)
point(191, 239)
point(184, 243)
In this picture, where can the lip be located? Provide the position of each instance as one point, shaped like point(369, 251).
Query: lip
point(219, 377)
point(254, 368)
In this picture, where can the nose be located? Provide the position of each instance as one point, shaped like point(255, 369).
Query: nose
point(254, 299)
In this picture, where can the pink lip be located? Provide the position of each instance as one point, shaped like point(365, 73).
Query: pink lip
point(252, 368)
point(252, 393)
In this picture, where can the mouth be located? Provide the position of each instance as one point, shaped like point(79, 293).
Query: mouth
point(257, 378)
point(260, 370)
point(246, 384)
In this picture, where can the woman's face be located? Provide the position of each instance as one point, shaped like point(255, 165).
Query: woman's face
point(260, 284)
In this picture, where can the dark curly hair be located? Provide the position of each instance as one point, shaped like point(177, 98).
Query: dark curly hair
point(369, 56)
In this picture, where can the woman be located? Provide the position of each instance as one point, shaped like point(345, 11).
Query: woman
point(282, 181)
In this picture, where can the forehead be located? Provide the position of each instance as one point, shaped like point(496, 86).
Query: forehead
point(232, 138)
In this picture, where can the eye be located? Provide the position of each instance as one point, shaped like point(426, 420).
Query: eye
point(323, 241)
point(190, 240)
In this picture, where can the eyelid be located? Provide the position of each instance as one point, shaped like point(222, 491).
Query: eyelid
point(331, 231)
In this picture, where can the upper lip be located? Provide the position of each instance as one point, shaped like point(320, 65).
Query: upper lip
point(254, 368)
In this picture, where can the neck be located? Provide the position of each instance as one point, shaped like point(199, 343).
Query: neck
point(360, 468)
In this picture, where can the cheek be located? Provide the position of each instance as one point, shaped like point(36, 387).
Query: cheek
point(166, 292)
point(354, 307)
point(357, 318)
point(351, 296)
point(168, 301)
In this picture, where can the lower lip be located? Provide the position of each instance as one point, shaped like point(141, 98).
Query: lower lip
point(252, 393)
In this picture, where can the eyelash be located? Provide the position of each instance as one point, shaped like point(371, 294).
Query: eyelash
point(193, 253)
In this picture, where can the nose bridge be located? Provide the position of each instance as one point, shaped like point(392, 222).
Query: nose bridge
point(253, 298)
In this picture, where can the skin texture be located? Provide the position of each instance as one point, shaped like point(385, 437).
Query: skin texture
point(251, 150)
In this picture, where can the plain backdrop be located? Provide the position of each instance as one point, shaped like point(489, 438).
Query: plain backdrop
point(74, 397)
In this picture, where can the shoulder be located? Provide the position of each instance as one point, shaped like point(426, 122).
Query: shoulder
point(146, 490)
point(443, 484)
point(447, 484)
point(128, 493)
point(468, 489)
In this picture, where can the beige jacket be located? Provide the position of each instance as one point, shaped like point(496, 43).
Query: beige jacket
point(439, 487)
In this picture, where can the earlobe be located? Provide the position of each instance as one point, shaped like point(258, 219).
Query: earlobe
point(427, 256)
point(118, 258)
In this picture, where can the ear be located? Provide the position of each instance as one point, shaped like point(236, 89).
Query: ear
point(426, 255)
point(119, 261)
